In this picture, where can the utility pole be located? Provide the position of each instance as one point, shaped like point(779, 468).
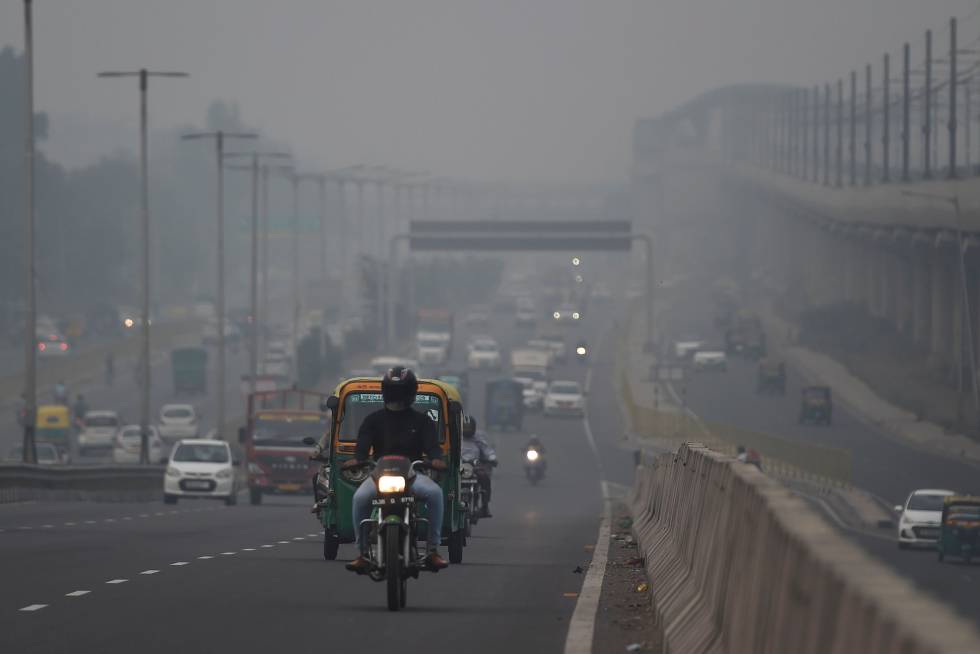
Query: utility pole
point(805, 129)
point(906, 137)
point(952, 98)
point(840, 133)
point(853, 130)
point(29, 454)
point(143, 75)
point(867, 125)
point(886, 115)
point(826, 134)
point(927, 126)
point(219, 137)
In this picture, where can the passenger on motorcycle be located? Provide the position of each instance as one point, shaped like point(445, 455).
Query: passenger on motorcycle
point(399, 430)
point(477, 448)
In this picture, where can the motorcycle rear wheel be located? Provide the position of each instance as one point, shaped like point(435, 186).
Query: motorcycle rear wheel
point(393, 566)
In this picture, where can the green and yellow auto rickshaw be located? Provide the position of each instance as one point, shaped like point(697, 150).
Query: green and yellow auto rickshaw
point(352, 401)
point(959, 529)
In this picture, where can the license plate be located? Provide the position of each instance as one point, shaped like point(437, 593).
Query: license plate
point(197, 485)
point(289, 488)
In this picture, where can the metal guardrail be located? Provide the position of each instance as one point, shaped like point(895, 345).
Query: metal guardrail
point(22, 482)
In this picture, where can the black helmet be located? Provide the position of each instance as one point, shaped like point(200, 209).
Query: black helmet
point(469, 426)
point(399, 386)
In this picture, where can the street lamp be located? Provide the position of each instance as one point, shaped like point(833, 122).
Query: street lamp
point(143, 75)
point(253, 349)
point(29, 454)
point(219, 137)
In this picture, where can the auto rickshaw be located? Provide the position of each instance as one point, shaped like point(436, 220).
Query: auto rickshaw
point(190, 370)
point(54, 426)
point(350, 403)
point(771, 377)
point(959, 529)
point(504, 404)
point(816, 405)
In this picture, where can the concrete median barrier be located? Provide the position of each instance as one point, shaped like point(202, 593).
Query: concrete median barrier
point(737, 564)
point(102, 483)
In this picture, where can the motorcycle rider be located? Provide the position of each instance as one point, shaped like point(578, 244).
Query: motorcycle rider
point(80, 408)
point(398, 429)
point(534, 443)
point(477, 447)
point(61, 393)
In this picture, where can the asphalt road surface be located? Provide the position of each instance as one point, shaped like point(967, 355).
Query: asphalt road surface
point(204, 577)
point(882, 465)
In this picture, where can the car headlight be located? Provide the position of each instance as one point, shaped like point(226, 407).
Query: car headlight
point(576, 316)
point(532, 455)
point(172, 471)
point(224, 474)
point(254, 469)
point(391, 484)
point(556, 315)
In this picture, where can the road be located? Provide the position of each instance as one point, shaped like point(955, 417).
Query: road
point(882, 465)
point(205, 577)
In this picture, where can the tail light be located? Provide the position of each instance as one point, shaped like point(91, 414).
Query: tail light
point(42, 347)
point(63, 347)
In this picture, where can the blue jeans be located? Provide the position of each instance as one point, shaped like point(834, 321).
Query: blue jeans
point(424, 490)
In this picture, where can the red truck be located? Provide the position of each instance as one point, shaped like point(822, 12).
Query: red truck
point(278, 421)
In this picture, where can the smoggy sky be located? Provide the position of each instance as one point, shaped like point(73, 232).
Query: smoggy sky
point(483, 89)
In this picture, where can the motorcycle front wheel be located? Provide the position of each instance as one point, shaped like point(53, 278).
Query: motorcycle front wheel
point(393, 566)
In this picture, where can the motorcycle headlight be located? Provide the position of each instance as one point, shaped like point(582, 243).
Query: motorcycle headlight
point(223, 474)
point(532, 455)
point(466, 470)
point(580, 351)
point(391, 484)
point(172, 471)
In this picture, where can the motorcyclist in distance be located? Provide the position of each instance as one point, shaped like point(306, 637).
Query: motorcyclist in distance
point(478, 448)
point(399, 430)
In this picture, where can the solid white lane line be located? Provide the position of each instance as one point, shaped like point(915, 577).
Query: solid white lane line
point(33, 607)
point(149, 572)
point(77, 593)
point(179, 563)
point(117, 581)
point(205, 557)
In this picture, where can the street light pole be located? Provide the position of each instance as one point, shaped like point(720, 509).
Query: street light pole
point(143, 75)
point(253, 349)
point(29, 454)
point(219, 150)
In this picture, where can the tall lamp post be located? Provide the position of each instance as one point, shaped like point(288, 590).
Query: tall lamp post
point(143, 75)
point(254, 324)
point(219, 137)
point(29, 454)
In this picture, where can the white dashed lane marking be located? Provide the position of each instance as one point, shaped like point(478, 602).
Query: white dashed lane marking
point(248, 549)
point(227, 553)
point(265, 546)
point(178, 563)
point(205, 557)
point(283, 542)
point(33, 607)
point(77, 593)
point(117, 581)
point(149, 572)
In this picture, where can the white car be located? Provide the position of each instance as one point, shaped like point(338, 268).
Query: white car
point(200, 468)
point(686, 347)
point(178, 421)
point(711, 359)
point(478, 317)
point(98, 432)
point(920, 516)
point(564, 398)
point(127, 446)
point(432, 351)
point(483, 354)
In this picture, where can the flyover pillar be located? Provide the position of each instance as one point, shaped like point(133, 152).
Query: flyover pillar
point(941, 307)
point(921, 300)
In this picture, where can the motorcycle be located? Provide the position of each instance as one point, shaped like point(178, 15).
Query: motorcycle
point(534, 465)
point(394, 528)
point(469, 494)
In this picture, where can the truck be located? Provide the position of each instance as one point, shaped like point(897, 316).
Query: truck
point(276, 458)
point(530, 363)
point(435, 326)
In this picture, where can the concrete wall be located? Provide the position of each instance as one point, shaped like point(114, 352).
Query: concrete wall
point(737, 564)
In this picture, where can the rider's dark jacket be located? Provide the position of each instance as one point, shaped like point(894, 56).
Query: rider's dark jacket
point(405, 433)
